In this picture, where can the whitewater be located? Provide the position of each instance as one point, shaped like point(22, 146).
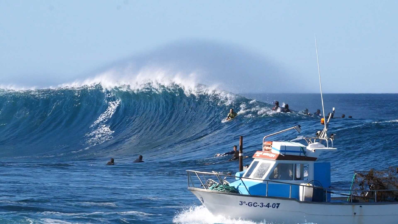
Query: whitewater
point(56, 141)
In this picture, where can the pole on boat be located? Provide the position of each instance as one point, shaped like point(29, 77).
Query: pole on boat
point(240, 153)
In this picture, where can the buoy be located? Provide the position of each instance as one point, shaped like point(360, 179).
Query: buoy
point(322, 120)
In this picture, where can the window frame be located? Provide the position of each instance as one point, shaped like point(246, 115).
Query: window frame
point(257, 169)
point(260, 162)
point(248, 169)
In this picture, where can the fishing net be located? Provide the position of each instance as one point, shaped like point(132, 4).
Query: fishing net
point(375, 186)
point(224, 188)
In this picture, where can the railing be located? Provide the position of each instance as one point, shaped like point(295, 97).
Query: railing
point(298, 129)
point(205, 183)
point(223, 178)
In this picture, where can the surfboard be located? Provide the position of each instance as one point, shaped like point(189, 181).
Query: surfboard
point(225, 120)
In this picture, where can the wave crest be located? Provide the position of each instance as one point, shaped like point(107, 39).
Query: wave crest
point(87, 121)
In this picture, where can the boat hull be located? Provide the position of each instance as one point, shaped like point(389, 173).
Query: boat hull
point(282, 210)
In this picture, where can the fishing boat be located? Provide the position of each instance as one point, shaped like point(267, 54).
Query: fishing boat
point(286, 184)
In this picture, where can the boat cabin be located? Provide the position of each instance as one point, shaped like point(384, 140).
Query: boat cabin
point(281, 169)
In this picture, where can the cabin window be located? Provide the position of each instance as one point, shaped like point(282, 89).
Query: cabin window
point(301, 171)
point(283, 171)
point(251, 169)
point(306, 167)
point(261, 170)
point(299, 174)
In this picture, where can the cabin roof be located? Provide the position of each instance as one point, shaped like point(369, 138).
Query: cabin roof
point(273, 156)
point(288, 144)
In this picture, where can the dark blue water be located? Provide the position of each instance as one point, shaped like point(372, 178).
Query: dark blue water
point(55, 144)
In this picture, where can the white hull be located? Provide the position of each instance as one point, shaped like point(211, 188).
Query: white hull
point(280, 210)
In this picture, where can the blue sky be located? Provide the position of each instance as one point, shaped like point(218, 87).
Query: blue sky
point(51, 42)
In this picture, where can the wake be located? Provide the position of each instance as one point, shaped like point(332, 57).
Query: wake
point(200, 215)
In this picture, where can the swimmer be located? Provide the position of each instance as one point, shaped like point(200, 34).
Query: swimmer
point(231, 115)
point(139, 160)
point(318, 113)
point(111, 162)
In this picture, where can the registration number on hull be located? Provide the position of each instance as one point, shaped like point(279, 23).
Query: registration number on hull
point(259, 204)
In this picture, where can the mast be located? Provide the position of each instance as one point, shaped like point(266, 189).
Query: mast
point(324, 133)
point(321, 135)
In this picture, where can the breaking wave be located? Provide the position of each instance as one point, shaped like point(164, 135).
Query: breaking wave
point(89, 119)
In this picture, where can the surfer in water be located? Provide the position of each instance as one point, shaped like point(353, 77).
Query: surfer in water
point(235, 156)
point(306, 112)
point(111, 162)
point(231, 115)
point(276, 106)
point(286, 109)
point(139, 160)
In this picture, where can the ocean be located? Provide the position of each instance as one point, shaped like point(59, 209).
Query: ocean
point(55, 144)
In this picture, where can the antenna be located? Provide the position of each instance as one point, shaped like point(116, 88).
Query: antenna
point(320, 83)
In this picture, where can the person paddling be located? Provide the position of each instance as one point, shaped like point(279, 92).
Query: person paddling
point(235, 156)
point(234, 153)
